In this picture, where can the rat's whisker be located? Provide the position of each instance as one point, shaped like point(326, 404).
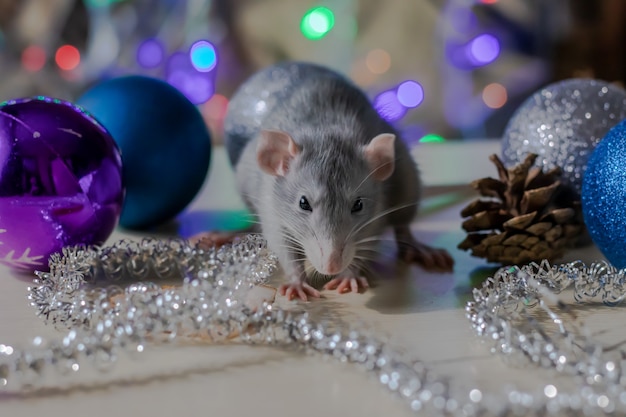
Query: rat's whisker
point(372, 172)
point(369, 243)
point(370, 239)
point(366, 251)
point(294, 247)
point(310, 269)
point(363, 252)
point(295, 250)
point(362, 266)
point(366, 259)
point(293, 240)
point(378, 216)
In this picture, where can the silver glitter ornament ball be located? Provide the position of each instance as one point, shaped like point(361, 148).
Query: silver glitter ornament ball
point(563, 123)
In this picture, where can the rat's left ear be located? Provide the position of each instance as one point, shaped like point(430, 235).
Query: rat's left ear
point(275, 152)
point(380, 156)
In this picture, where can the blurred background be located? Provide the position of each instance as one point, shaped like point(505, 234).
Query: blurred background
point(438, 69)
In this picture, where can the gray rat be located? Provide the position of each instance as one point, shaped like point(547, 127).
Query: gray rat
point(324, 173)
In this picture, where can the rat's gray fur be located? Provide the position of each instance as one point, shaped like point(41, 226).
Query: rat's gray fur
point(331, 120)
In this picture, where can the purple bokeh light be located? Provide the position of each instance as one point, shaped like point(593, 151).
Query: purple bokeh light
point(410, 94)
point(388, 106)
point(462, 19)
point(150, 53)
point(483, 49)
point(412, 134)
point(198, 87)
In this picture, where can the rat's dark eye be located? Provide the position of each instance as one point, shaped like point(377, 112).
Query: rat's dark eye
point(304, 204)
point(357, 206)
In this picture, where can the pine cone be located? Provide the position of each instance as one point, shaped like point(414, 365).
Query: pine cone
point(526, 215)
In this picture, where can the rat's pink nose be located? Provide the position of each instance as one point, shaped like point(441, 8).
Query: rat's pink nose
point(334, 264)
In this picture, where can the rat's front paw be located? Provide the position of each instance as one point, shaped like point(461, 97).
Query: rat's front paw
point(298, 290)
point(347, 283)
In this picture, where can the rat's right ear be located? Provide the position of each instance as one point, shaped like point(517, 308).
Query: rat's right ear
point(275, 151)
point(380, 156)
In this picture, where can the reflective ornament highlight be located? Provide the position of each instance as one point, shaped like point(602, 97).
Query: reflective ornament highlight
point(60, 181)
point(165, 145)
point(604, 194)
point(563, 123)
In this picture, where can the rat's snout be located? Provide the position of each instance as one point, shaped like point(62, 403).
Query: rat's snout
point(335, 263)
point(334, 260)
point(328, 256)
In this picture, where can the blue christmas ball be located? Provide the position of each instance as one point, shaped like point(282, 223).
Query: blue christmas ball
point(604, 195)
point(164, 141)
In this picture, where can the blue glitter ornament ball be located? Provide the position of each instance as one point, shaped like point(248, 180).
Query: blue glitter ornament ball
point(604, 195)
point(165, 145)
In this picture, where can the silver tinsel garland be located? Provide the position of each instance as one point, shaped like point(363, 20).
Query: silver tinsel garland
point(83, 292)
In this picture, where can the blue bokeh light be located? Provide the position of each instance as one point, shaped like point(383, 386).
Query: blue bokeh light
point(203, 56)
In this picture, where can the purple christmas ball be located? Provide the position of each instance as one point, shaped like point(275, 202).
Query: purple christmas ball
point(60, 181)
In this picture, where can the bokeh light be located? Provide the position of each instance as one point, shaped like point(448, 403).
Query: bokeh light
point(410, 94)
point(67, 57)
point(33, 58)
point(388, 106)
point(360, 74)
point(432, 138)
point(411, 134)
point(495, 95)
point(216, 107)
point(101, 3)
point(462, 19)
point(150, 53)
point(378, 61)
point(214, 112)
point(317, 22)
point(483, 49)
point(203, 56)
point(488, 1)
point(198, 87)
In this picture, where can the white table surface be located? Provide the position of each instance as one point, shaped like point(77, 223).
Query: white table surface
point(420, 311)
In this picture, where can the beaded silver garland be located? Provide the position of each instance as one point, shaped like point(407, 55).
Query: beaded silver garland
point(501, 313)
point(83, 293)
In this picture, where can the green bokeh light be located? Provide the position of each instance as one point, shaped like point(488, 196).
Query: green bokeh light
point(431, 137)
point(101, 3)
point(317, 22)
